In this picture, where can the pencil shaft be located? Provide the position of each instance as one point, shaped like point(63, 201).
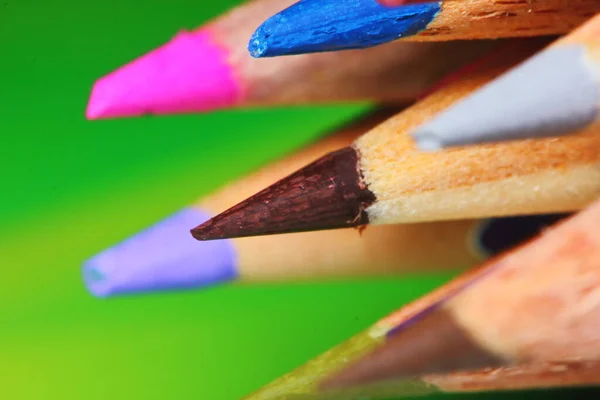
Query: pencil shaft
point(553, 311)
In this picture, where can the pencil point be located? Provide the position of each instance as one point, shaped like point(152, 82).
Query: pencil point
point(188, 74)
point(435, 343)
point(426, 141)
point(553, 93)
point(326, 194)
point(256, 48)
point(303, 382)
point(259, 45)
point(311, 26)
point(162, 257)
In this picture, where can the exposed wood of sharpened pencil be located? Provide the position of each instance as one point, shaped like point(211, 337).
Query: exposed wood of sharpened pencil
point(556, 92)
point(468, 19)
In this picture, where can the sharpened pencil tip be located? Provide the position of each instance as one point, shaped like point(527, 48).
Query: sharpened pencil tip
point(434, 343)
point(162, 257)
point(256, 47)
point(427, 141)
point(99, 104)
point(312, 26)
point(191, 73)
point(521, 104)
point(326, 194)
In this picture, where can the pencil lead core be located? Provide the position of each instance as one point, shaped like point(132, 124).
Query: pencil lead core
point(327, 194)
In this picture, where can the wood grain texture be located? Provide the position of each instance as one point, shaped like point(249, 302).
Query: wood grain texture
point(521, 177)
point(553, 310)
point(537, 304)
point(485, 19)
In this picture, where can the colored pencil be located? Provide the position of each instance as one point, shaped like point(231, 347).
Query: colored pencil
point(556, 92)
point(383, 179)
point(209, 68)
point(312, 26)
point(164, 256)
point(538, 303)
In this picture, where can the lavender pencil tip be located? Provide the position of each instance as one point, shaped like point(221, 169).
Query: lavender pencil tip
point(162, 257)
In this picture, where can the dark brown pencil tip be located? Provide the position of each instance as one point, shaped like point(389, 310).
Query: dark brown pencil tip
point(327, 194)
point(432, 345)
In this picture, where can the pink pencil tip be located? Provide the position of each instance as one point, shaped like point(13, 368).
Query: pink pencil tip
point(188, 74)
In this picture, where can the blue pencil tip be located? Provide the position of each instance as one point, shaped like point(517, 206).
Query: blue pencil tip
point(257, 47)
point(162, 257)
point(311, 26)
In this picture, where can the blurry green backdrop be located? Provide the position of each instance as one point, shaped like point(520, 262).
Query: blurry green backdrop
point(71, 188)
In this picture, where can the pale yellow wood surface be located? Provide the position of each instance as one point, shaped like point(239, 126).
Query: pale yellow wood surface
point(510, 178)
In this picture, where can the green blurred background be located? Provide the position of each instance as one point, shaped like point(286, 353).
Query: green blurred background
point(71, 188)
